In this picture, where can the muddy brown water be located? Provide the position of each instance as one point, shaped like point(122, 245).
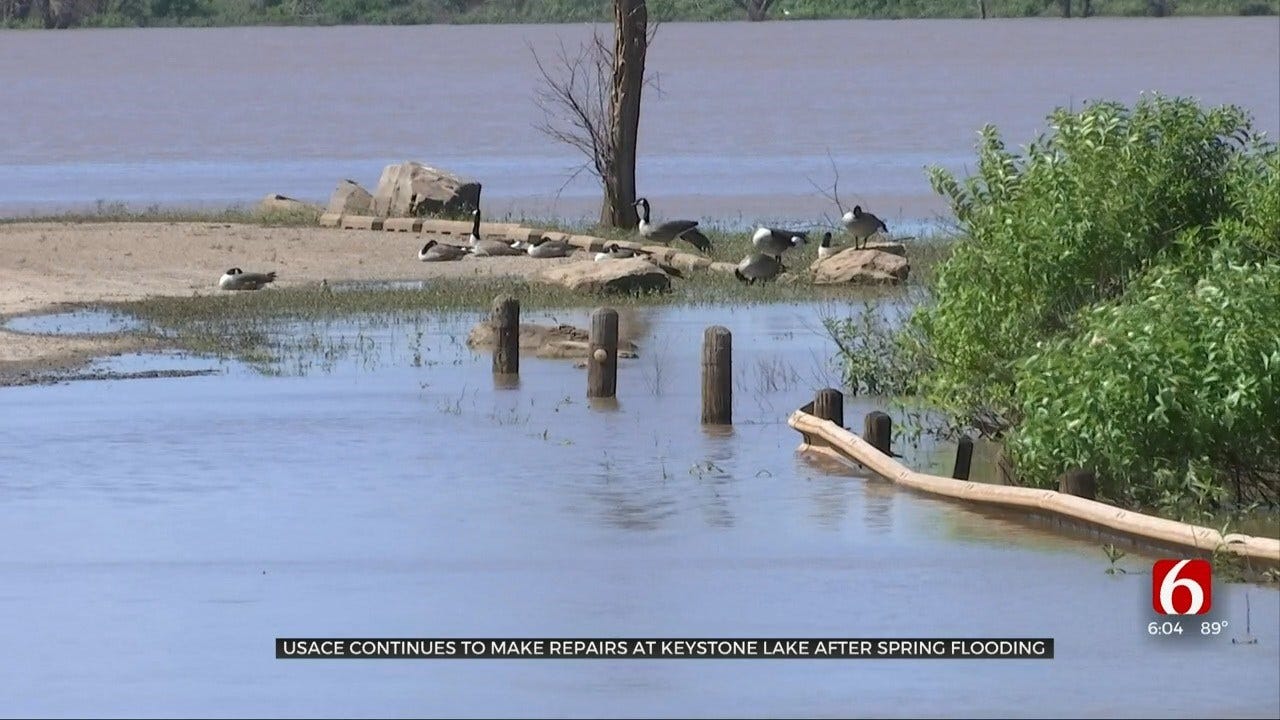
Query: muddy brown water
point(737, 128)
point(159, 534)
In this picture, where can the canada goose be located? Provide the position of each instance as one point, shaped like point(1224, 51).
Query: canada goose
point(548, 248)
point(862, 225)
point(772, 241)
point(758, 266)
point(614, 251)
point(825, 250)
point(237, 279)
point(686, 230)
point(438, 252)
point(487, 248)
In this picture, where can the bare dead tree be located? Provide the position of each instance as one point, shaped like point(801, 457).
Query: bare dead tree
point(757, 10)
point(591, 102)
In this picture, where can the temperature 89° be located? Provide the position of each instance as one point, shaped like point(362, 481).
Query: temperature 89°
point(1213, 628)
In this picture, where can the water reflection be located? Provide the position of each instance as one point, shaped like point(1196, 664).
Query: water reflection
point(718, 474)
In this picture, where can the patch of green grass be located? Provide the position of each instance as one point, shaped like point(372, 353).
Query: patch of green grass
point(255, 326)
point(106, 212)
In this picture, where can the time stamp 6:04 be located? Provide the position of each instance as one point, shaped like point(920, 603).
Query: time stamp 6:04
point(1182, 588)
point(1174, 627)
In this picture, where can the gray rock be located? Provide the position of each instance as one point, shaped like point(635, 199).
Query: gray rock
point(861, 267)
point(411, 188)
point(350, 199)
point(624, 276)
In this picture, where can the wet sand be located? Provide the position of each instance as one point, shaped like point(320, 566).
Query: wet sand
point(45, 266)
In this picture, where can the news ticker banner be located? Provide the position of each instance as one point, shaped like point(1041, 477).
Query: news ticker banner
point(664, 648)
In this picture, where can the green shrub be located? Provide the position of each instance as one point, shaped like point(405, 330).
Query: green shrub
point(1114, 304)
point(1170, 395)
point(1070, 223)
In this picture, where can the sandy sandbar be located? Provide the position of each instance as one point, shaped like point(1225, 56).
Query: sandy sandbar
point(48, 265)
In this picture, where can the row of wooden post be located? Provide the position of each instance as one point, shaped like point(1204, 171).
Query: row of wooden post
point(717, 384)
point(828, 404)
point(602, 358)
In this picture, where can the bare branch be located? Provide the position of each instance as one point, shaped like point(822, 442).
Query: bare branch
point(576, 172)
point(832, 194)
point(574, 100)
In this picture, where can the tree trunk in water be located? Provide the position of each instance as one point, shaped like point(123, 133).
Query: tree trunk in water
point(1086, 8)
point(631, 39)
point(1066, 8)
point(756, 12)
point(982, 9)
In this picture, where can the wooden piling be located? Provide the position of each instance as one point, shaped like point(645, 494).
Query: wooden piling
point(717, 376)
point(828, 404)
point(964, 459)
point(602, 361)
point(1079, 482)
point(506, 330)
point(879, 431)
point(1004, 468)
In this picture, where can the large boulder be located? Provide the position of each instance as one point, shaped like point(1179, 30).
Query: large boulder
point(861, 267)
point(547, 341)
point(623, 276)
point(411, 188)
point(350, 199)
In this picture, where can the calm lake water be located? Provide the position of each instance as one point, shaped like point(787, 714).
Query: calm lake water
point(160, 534)
point(742, 121)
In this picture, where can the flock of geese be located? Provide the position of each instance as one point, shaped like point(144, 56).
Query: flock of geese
point(764, 263)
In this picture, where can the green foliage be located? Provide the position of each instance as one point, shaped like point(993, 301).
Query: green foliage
point(877, 357)
point(141, 13)
point(178, 9)
point(1112, 306)
point(1071, 222)
point(1166, 394)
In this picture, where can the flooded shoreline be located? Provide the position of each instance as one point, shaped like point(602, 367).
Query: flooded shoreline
point(375, 496)
point(364, 474)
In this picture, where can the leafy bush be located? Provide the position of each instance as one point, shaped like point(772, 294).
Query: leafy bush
point(1070, 223)
point(1113, 305)
point(1167, 395)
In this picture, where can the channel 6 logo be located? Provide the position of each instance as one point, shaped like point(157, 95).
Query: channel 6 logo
point(1182, 587)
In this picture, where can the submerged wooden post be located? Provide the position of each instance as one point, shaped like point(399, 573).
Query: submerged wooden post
point(506, 335)
point(964, 459)
point(602, 361)
point(717, 376)
point(1004, 466)
point(879, 431)
point(1079, 482)
point(828, 404)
